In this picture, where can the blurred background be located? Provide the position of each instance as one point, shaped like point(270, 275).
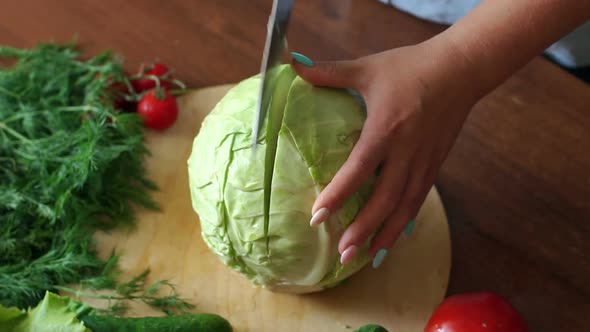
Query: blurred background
point(219, 41)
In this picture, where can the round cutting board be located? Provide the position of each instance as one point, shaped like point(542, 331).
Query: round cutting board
point(400, 295)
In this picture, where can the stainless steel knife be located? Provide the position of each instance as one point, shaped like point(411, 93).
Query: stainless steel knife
point(276, 41)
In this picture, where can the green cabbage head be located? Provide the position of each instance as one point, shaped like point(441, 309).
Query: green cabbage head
point(254, 206)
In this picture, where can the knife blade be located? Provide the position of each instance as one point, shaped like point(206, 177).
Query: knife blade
point(273, 50)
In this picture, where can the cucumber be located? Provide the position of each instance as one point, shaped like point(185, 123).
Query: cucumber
point(371, 328)
point(181, 323)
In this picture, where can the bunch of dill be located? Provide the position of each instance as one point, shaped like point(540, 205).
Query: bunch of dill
point(70, 164)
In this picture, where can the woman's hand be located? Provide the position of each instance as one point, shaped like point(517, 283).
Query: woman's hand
point(417, 100)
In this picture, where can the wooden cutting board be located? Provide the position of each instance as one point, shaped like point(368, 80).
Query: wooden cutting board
point(400, 295)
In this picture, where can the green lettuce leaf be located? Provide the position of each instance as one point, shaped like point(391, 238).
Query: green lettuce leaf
point(53, 314)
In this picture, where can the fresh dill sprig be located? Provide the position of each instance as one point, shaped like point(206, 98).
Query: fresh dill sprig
point(136, 290)
point(70, 164)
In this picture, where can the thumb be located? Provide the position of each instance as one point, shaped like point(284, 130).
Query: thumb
point(335, 74)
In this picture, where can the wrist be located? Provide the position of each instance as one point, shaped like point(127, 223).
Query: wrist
point(499, 37)
point(464, 78)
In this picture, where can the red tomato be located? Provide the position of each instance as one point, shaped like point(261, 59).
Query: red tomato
point(158, 108)
point(146, 83)
point(120, 91)
point(476, 312)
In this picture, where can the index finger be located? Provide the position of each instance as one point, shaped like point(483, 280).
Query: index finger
point(360, 165)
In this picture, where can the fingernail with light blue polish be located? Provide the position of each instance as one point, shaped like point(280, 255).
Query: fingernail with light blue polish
point(302, 59)
point(379, 258)
point(410, 227)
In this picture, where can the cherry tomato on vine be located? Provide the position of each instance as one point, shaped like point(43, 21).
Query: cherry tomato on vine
point(476, 312)
point(121, 93)
point(158, 108)
point(157, 69)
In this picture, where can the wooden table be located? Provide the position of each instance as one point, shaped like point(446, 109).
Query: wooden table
point(516, 185)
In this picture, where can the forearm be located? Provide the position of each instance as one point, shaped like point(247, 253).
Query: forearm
point(500, 36)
